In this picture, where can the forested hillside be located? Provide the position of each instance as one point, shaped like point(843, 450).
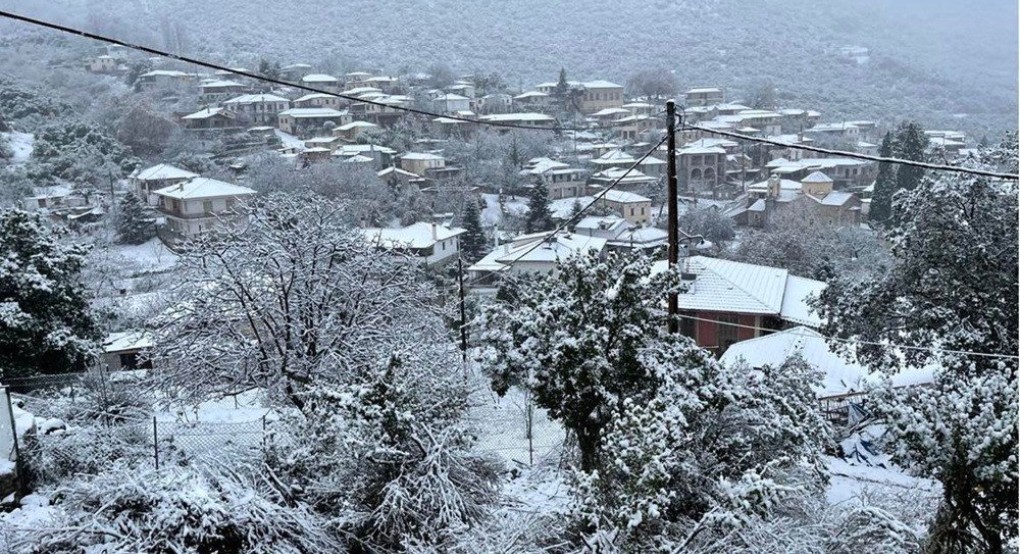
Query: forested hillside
point(928, 60)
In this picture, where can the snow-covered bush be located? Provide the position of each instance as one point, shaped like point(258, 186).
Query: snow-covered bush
point(80, 153)
point(387, 460)
point(52, 459)
point(132, 508)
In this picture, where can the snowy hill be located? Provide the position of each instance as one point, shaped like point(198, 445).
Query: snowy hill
point(953, 60)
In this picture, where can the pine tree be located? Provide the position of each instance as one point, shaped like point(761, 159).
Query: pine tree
point(885, 183)
point(45, 321)
point(910, 144)
point(539, 218)
point(473, 244)
point(134, 226)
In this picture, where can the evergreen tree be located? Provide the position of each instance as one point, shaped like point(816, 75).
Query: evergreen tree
point(562, 86)
point(885, 183)
point(45, 323)
point(134, 226)
point(539, 218)
point(910, 144)
point(473, 244)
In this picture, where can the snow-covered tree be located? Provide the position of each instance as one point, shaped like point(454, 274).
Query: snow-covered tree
point(953, 286)
point(713, 447)
point(814, 251)
point(885, 183)
point(134, 225)
point(539, 217)
point(576, 338)
point(473, 243)
point(45, 322)
point(297, 298)
point(910, 144)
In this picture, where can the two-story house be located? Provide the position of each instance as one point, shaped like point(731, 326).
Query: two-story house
point(258, 109)
point(308, 122)
point(600, 95)
point(147, 181)
point(561, 180)
point(200, 205)
point(436, 244)
point(706, 96)
point(211, 120)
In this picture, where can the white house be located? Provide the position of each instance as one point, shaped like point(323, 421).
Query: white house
point(437, 244)
point(200, 205)
point(147, 181)
point(534, 253)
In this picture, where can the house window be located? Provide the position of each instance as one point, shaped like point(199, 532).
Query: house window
point(207, 206)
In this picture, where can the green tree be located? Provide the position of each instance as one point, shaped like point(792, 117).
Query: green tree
point(539, 217)
point(910, 144)
point(473, 243)
point(885, 183)
point(45, 323)
point(134, 226)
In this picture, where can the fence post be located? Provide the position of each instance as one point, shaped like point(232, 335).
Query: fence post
point(155, 443)
point(265, 439)
point(529, 418)
point(17, 450)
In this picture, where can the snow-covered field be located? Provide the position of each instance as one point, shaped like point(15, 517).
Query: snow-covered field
point(151, 256)
point(21, 145)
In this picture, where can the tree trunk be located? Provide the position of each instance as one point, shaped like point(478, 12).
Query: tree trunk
point(588, 442)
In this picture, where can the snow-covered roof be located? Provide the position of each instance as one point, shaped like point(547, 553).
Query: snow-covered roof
point(160, 172)
point(702, 90)
point(712, 143)
point(599, 83)
point(355, 125)
point(451, 97)
point(530, 94)
point(692, 150)
point(203, 187)
point(314, 96)
point(735, 287)
point(620, 173)
point(624, 197)
point(614, 157)
point(420, 156)
point(318, 78)
point(837, 198)
point(397, 171)
point(539, 166)
point(299, 113)
point(553, 249)
point(164, 73)
point(611, 223)
point(416, 235)
point(524, 116)
point(206, 113)
point(816, 177)
point(358, 158)
point(839, 375)
point(610, 111)
point(351, 149)
point(129, 340)
point(253, 98)
point(220, 84)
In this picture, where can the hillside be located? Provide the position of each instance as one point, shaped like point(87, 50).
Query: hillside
point(929, 60)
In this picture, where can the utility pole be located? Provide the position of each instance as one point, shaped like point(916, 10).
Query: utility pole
point(671, 193)
point(463, 316)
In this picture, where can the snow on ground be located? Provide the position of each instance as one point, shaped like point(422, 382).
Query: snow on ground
point(493, 214)
point(148, 257)
point(849, 482)
point(21, 144)
point(290, 141)
point(244, 407)
point(502, 428)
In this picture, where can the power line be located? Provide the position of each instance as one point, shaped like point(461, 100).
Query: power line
point(573, 217)
point(858, 341)
point(280, 82)
point(855, 155)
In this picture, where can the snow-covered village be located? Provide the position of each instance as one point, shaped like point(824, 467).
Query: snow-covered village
point(532, 277)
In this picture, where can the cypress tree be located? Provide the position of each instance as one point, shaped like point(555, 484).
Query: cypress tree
point(539, 218)
point(885, 183)
point(134, 226)
point(910, 145)
point(473, 243)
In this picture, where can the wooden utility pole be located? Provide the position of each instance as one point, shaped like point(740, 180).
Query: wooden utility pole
point(672, 208)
